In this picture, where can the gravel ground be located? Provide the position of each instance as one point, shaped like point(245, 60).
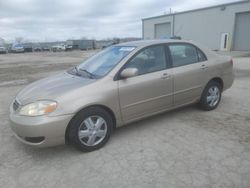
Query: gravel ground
point(182, 148)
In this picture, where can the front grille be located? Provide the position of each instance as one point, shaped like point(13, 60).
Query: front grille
point(16, 105)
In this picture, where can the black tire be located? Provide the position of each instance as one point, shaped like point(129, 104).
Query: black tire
point(76, 122)
point(204, 105)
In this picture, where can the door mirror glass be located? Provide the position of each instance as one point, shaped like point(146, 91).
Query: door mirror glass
point(129, 72)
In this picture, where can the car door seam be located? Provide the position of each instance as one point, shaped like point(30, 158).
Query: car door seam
point(147, 100)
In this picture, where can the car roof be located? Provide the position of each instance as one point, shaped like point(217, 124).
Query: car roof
point(141, 43)
point(145, 43)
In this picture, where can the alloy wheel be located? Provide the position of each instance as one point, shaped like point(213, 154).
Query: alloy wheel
point(92, 130)
point(213, 96)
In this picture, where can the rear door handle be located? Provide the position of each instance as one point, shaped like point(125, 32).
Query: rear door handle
point(165, 76)
point(203, 67)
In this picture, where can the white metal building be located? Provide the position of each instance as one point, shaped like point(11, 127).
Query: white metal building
point(221, 27)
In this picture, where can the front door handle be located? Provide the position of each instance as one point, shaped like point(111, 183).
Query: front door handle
point(165, 76)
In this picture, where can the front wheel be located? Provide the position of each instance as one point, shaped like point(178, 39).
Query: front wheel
point(211, 96)
point(90, 129)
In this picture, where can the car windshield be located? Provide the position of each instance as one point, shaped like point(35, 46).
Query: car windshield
point(104, 61)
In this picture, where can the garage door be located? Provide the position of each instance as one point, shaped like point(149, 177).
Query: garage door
point(162, 30)
point(242, 32)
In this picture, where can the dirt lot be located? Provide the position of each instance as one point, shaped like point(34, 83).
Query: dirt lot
point(183, 148)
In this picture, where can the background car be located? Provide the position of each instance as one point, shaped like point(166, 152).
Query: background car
point(17, 48)
point(45, 48)
point(3, 49)
point(58, 48)
point(37, 49)
point(68, 47)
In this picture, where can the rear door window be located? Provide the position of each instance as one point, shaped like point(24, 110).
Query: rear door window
point(201, 55)
point(183, 54)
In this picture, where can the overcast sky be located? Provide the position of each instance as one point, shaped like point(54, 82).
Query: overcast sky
point(47, 20)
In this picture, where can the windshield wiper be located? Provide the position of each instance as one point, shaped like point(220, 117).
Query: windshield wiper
point(77, 71)
point(90, 75)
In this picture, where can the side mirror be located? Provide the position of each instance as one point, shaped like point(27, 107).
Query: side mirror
point(129, 72)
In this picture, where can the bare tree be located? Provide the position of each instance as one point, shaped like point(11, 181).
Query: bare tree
point(2, 41)
point(19, 39)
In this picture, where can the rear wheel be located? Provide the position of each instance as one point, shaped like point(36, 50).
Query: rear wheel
point(211, 96)
point(90, 129)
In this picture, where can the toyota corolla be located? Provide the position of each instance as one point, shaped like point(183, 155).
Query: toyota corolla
point(121, 84)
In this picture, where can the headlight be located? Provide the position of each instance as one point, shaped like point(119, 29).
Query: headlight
point(38, 108)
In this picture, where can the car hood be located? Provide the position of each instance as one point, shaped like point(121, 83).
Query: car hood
point(52, 87)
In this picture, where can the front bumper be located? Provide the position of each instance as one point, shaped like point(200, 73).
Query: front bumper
point(40, 131)
point(18, 50)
